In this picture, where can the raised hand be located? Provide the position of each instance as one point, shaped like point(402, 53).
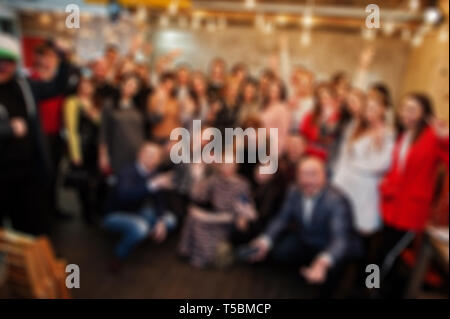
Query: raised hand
point(440, 127)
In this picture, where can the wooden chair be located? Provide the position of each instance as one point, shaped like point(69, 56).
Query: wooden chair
point(32, 270)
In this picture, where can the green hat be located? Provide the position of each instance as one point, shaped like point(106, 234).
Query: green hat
point(9, 47)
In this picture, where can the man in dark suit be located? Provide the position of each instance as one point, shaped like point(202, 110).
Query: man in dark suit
point(138, 210)
point(323, 240)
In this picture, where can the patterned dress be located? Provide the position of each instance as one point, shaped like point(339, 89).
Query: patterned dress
point(200, 238)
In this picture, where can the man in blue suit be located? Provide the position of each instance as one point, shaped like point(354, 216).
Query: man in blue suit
point(323, 240)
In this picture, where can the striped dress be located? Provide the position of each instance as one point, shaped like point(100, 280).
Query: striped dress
point(199, 239)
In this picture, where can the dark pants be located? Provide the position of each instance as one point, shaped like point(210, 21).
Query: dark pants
point(238, 237)
point(90, 199)
point(22, 200)
point(289, 250)
point(56, 147)
point(392, 282)
point(389, 238)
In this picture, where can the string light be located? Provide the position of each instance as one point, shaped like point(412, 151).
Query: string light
point(432, 16)
point(141, 15)
point(250, 4)
point(173, 7)
point(307, 20)
point(282, 20)
point(196, 22)
point(268, 27)
point(45, 19)
point(305, 38)
point(389, 28)
point(417, 41)
point(368, 34)
point(414, 5)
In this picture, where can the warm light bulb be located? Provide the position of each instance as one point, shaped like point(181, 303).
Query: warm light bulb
point(307, 21)
point(250, 4)
point(173, 7)
point(432, 15)
point(414, 5)
point(389, 28)
point(305, 38)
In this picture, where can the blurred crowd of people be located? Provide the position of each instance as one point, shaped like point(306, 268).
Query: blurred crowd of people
point(356, 174)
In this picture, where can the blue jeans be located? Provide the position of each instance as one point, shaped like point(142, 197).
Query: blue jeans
point(134, 227)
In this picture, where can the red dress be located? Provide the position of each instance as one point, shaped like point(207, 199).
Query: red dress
point(310, 129)
point(407, 193)
point(50, 112)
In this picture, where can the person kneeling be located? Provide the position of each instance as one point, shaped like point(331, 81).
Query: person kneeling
point(324, 241)
point(138, 207)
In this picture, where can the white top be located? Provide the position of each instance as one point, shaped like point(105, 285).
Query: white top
point(303, 108)
point(360, 166)
point(404, 149)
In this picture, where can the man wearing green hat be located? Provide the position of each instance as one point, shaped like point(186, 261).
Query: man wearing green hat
point(24, 160)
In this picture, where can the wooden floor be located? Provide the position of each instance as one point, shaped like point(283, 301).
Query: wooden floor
point(154, 271)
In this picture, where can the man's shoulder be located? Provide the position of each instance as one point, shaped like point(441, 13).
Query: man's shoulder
point(129, 170)
point(293, 192)
point(335, 195)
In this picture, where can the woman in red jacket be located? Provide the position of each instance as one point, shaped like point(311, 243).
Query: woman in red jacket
point(407, 190)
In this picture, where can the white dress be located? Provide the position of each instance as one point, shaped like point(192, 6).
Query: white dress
point(358, 171)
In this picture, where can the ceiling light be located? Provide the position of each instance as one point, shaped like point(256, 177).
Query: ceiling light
point(45, 19)
point(282, 20)
point(417, 41)
point(389, 28)
point(414, 5)
point(307, 20)
point(368, 34)
point(141, 14)
point(173, 7)
point(432, 16)
point(250, 4)
point(305, 38)
point(268, 27)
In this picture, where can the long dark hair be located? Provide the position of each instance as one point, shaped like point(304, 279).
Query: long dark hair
point(384, 93)
point(427, 113)
point(318, 107)
point(248, 81)
point(282, 88)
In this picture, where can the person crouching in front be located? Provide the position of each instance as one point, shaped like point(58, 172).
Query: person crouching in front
point(138, 211)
